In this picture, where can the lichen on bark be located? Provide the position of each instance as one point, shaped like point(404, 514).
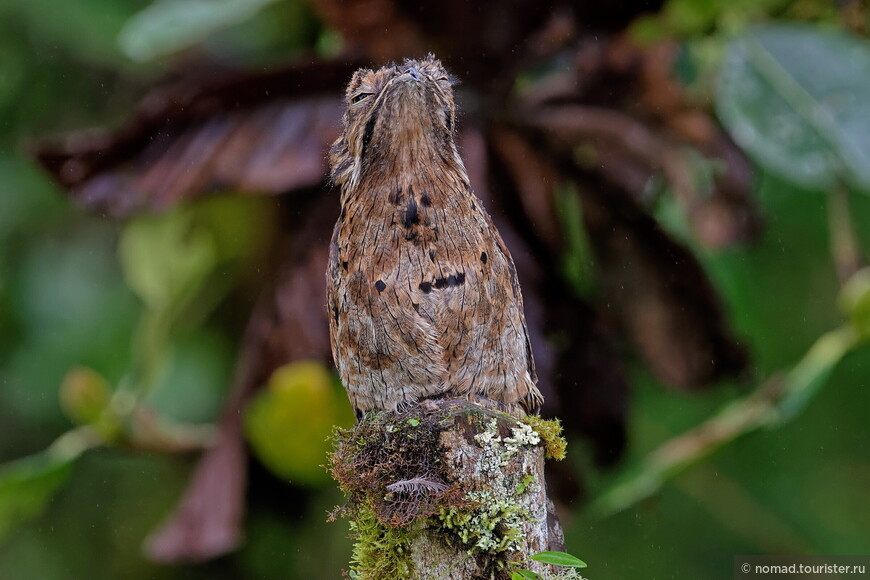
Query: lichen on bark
point(448, 490)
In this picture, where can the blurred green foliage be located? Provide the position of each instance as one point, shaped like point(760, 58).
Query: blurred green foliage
point(27, 485)
point(794, 110)
point(96, 315)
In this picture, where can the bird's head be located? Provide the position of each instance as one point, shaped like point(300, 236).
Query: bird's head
point(397, 117)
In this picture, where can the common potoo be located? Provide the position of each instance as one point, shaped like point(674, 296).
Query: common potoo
point(422, 293)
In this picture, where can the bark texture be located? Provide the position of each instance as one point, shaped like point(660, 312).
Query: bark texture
point(447, 490)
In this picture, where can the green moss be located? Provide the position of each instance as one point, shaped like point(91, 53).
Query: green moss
point(378, 551)
point(550, 431)
point(388, 448)
point(521, 488)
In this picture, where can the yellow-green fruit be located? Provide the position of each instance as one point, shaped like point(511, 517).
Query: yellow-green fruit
point(289, 423)
point(855, 300)
point(84, 395)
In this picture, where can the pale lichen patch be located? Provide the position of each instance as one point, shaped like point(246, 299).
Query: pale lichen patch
point(494, 526)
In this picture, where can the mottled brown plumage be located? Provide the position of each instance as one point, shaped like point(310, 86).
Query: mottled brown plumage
point(422, 293)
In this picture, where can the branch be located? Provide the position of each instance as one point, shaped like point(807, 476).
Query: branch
point(447, 490)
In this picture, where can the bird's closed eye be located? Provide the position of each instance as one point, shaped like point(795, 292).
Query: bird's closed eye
point(359, 97)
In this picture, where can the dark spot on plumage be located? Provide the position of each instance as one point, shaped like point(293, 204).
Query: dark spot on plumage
point(426, 287)
point(380, 285)
point(343, 213)
point(425, 200)
point(359, 414)
point(416, 306)
point(412, 217)
point(344, 266)
point(367, 135)
point(335, 313)
point(483, 257)
point(432, 255)
point(412, 236)
point(449, 120)
point(456, 280)
point(396, 197)
point(473, 206)
point(467, 186)
point(440, 283)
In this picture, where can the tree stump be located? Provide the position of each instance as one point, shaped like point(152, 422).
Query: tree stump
point(448, 490)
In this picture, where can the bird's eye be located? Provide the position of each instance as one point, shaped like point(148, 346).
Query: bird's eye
point(359, 97)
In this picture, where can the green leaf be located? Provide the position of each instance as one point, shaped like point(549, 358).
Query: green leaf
point(794, 97)
point(166, 258)
point(191, 386)
point(13, 63)
point(559, 559)
point(242, 226)
point(525, 575)
point(29, 199)
point(577, 263)
point(27, 485)
point(84, 28)
point(167, 26)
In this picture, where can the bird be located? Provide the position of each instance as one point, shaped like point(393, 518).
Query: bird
point(422, 293)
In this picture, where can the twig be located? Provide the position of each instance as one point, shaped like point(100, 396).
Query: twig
point(778, 400)
point(844, 244)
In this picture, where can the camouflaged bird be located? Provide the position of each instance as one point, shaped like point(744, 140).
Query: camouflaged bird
point(422, 292)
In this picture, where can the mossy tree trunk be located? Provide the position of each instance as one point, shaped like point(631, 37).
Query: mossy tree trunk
point(448, 490)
